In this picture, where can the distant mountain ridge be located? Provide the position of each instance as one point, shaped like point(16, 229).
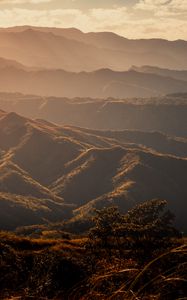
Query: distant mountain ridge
point(73, 50)
point(5, 63)
point(165, 114)
point(102, 83)
point(178, 74)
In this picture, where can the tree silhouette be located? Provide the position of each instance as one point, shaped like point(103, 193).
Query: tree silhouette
point(146, 230)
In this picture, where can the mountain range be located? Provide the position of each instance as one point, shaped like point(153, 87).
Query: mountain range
point(69, 63)
point(103, 83)
point(177, 74)
point(165, 114)
point(55, 173)
point(89, 120)
point(73, 50)
point(93, 156)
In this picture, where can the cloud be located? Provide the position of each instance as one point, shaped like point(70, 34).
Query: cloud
point(151, 4)
point(94, 19)
point(24, 1)
point(106, 17)
point(147, 18)
point(21, 16)
point(169, 6)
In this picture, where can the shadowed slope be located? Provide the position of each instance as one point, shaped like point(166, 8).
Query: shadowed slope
point(131, 177)
point(16, 210)
point(90, 168)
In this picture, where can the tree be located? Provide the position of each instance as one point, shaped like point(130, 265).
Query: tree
point(145, 230)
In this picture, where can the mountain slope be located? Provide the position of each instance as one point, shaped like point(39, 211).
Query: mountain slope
point(48, 171)
point(16, 211)
point(124, 177)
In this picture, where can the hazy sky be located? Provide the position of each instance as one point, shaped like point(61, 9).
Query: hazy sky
point(131, 18)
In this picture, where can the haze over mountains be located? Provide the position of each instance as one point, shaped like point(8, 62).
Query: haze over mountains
point(93, 150)
point(103, 83)
point(70, 63)
point(73, 50)
point(164, 114)
point(87, 121)
point(178, 74)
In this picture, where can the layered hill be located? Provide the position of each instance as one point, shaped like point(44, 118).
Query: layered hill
point(49, 171)
point(24, 200)
point(102, 83)
point(178, 74)
point(124, 177)
point(6, 63)
point(73, 50)
point(166, 114)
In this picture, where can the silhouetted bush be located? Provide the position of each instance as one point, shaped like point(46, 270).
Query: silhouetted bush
point(147, 230)
point(139, 255)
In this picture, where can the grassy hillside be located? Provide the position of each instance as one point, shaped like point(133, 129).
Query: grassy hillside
point(123, 177)
point(76, 170)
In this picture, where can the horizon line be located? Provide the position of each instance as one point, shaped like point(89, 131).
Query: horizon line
point(88, 32)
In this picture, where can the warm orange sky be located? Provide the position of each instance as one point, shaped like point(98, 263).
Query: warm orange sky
point(131, 18)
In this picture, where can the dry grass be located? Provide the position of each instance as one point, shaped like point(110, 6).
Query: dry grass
point(164, 277)
point(110, 278)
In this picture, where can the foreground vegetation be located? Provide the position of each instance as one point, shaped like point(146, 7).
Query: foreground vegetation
point(139, 255)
